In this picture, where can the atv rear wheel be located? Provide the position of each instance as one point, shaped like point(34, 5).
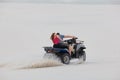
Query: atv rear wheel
point(65, 58)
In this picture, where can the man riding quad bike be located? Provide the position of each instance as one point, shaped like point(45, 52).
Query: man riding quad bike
point(64, 54)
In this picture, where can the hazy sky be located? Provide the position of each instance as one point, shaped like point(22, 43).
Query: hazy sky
point(65, 1)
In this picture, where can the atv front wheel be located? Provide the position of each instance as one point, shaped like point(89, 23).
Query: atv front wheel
point(82, 56)
point(65, 58)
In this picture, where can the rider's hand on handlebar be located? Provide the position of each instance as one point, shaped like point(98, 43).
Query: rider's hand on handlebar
point(75, 37)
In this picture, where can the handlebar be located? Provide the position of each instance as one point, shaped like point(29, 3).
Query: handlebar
point(71, 41)
point(75, 38)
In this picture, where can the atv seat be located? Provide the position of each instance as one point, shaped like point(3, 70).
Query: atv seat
point(56, 50)
point(60, 50)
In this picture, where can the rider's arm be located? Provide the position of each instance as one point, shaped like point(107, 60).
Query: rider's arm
point(59, 38)
point(68, 36)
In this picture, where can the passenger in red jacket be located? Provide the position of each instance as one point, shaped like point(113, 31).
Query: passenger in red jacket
point(58, 42)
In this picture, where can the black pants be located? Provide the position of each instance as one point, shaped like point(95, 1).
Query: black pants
point(61, 45)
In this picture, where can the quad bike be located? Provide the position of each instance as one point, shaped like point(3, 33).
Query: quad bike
point(63, 54)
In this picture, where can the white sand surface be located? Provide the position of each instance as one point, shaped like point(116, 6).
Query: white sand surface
point(25, 28)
